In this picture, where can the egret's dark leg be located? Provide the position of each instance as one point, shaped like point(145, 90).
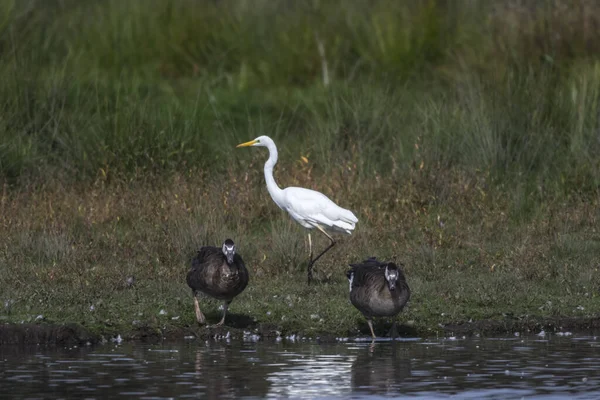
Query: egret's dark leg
point(199, 316)
point(310, 261)
point(313, 261)
point(310, 253)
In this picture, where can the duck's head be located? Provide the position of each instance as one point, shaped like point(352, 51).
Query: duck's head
point(229, 250)
point(391, 275)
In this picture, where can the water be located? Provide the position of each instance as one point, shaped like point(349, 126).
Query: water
point(502, 368)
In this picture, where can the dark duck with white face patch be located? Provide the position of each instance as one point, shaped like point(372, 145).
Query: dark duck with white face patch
point(377, 289)
point(219, 273)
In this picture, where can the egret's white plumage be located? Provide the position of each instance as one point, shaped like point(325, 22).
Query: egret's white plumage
point(309, 208)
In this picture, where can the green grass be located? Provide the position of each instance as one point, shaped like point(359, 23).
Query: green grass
point(463, 134)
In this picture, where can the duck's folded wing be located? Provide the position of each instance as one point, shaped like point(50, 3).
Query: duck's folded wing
point(204, 255)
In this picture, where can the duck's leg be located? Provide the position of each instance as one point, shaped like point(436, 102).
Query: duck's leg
point(370, 322)
point(225, 307)
point(199, 316)
point(393, 331)
point(313, 261)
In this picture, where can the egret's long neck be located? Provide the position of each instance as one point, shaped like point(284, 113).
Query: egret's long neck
point(274, 190)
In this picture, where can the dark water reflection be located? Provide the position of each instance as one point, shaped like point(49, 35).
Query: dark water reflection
point(502, 368)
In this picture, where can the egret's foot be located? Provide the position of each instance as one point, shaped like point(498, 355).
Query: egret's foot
point(310, 274)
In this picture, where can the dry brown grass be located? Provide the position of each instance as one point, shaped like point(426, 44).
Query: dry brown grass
point(467, 253)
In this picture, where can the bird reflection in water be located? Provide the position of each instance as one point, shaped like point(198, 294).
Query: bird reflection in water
point(225, 372)
point(381, 368)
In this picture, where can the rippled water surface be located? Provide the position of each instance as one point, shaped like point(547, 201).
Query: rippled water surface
point(502, 368)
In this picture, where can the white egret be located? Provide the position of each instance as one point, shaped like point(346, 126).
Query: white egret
point(309, 208)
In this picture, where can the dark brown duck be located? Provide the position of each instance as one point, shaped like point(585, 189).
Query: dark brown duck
point(219, 273)
point(377, 289)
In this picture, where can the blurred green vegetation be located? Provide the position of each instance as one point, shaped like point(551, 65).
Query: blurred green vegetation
point(151, 87)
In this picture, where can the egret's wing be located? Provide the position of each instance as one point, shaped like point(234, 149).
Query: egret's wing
point(305, 202)
point(315, 207)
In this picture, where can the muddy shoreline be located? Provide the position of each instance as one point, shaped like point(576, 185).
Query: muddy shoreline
point(77, 335)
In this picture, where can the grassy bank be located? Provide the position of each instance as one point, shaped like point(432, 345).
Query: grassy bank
point(68, 252)
point(464, 135)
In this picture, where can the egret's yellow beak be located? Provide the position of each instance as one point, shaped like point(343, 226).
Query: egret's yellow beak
point(250, 143)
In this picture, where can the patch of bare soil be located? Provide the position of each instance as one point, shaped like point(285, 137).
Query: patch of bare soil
point(62, 335)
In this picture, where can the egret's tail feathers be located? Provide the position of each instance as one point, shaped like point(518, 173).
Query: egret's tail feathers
point(348, 216)
point(343, 226)
point(341, 222)
point(345, 221)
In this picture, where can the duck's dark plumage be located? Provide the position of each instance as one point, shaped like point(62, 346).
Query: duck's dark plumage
point(210, 274)
point(373, 294)
point(216, 276)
